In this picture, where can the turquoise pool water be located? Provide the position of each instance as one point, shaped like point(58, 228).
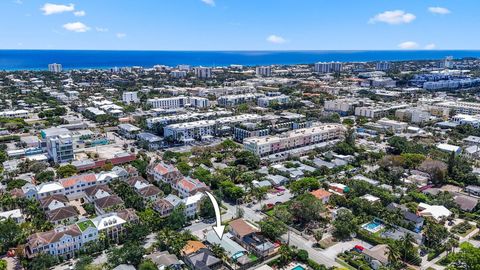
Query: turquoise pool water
point(298, 267)
point(373, 226)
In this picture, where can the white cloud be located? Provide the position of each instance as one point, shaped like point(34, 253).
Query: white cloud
point(101, 29)
point(76, 27)
point(18, 2)
point(276, 39)
point(393, 17)
point(49, 9)
point(408, 45)
point(439, 10)
point(430, 46)
point(79, 13)
point(209, 2)
point(121, 35)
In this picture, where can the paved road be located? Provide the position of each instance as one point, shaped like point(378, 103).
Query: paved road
point(317, 256)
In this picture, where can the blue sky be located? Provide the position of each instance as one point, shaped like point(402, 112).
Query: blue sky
point(239, 24)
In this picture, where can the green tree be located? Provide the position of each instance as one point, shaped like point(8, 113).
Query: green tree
point(184, 168)
point(306, 208)
point(83, 262)
point(177, 219)
point(147, 265)
point(10, 234)
point(42, 261)
point(45, 176)
point(248, 159)
point(413, 160)
point(303, 185)
point(66, 171)
point(393, 255)
point(272, 228)
point(3, 264)
point(434, 234)
point(345, 224)
point(130, 253)
point(206, 208)
point(302, 255)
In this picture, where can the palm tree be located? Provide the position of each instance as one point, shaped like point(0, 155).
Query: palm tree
point(219, 252)
point(393, 255)
point(451, 244)
point(407, 245)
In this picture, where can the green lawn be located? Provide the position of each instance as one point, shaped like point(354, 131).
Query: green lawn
point(252, 257)
point(83, 225)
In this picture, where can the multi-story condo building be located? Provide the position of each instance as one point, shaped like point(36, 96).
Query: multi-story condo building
point(247, 130)
point(200, 130)
point(264, 71)
point(341, 106)
point(267, 100)
point(233, 100)
point(14, 114)
point(378, 111)
point(168, 103)
point(130, 97)
point(60, 148)
point(268, 145)
point(470, 108)
point(203, 72)
point(55, 67)
point(382, 66)
point(184, 67)
point(180, 118)
point(452, 84)
point(178, 102)
point(178, 74)
point(465, 119)
point(198, 102)
point(330, 67)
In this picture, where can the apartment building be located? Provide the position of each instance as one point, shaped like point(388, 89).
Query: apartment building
point(203, 72)
point(465, 119)
point(378, 111)
point(330, 67)
point(267, 100)
point(130, 97)
point(461, 107)
point(265, 71)
point(206, 129)
point(233, 100)
point(178, 102)
point(263, 146)
point(187, 117)
point(14, 114)
point(168, 103)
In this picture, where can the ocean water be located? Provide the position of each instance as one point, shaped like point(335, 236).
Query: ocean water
point(77, 59)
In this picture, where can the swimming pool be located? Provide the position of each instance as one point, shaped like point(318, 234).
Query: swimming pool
point(373, 226)
point(298, 267)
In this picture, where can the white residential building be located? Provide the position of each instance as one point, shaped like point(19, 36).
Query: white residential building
point(55, 67)
point(130, 97)
point(14, 114)
point(267, 145)
point(266, 101)
point(378, 111)
point(203, 72)
point(330, 67)
point(470, 108)
point(264, 71)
